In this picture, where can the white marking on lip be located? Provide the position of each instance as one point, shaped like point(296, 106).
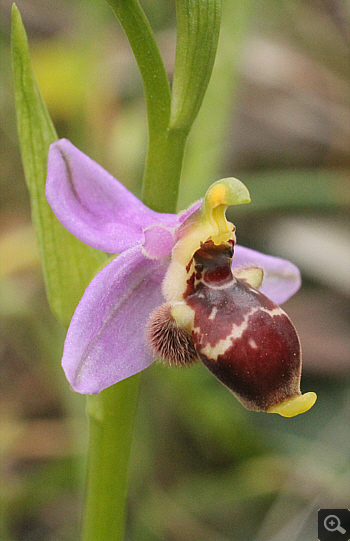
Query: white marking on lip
point(274, 312)
point(252, 343)
point(213, 313)
point(237, 331)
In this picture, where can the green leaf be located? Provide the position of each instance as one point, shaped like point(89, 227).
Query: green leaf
point(142, 41)
point(68, 264)
point(209, 136)
point(198, 27)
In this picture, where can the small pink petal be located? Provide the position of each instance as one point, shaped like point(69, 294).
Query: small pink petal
point(158, 242)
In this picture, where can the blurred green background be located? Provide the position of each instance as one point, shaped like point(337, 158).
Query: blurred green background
point(277, 116)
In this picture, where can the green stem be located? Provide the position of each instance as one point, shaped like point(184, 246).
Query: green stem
point(170, 118)
point(111, 412)
point(165, 147)
point(111, 415)
point(163, 170)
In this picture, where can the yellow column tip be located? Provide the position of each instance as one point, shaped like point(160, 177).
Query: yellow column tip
point(295, 405)
point(217, 195)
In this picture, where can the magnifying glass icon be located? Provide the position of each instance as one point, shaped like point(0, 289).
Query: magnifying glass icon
point(332, 524)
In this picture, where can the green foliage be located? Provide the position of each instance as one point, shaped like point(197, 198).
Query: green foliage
point(68, 264)
point(198, 27)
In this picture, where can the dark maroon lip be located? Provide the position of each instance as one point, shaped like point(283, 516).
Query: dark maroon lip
point(212, 266)
point(260, 357)
point(219, 276)
point(210, 251)
point(241, 336)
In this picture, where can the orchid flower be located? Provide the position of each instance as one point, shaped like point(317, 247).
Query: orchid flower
point(180, 290)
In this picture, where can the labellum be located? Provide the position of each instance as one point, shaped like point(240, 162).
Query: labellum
point(221, 318)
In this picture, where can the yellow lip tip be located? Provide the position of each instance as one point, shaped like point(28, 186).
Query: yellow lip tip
point(295, 405)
